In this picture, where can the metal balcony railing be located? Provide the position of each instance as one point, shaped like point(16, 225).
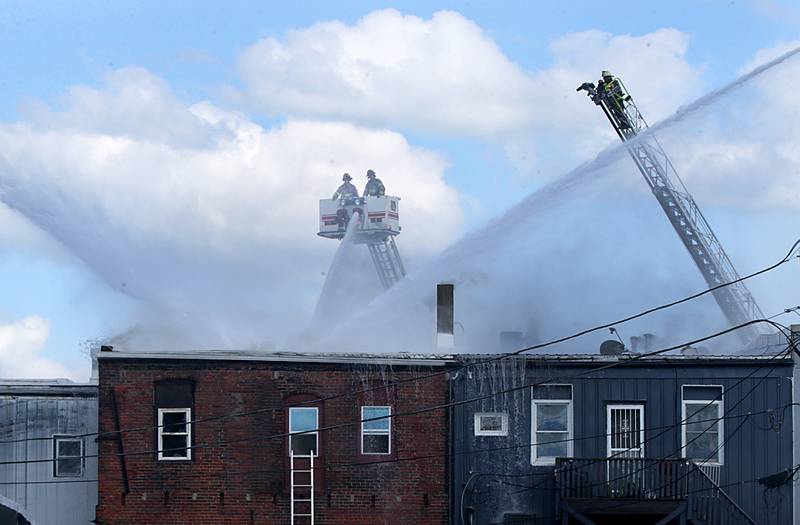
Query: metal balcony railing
point(677, 480)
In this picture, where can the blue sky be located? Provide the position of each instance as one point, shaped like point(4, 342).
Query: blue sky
point(194, 47)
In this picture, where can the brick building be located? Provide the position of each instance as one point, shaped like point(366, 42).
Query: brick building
point(235, 466)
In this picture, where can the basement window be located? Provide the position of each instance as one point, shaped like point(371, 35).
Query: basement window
point(702, 425)
point(305, 420)
point(491, 424)
point(551, 425)
point(68, 455)
point(376, 436)
point(174, 434)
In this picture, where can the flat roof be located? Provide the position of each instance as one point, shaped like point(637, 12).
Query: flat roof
point(401, 359)
point(650, 359)
point(409, 359)
point(47, 387)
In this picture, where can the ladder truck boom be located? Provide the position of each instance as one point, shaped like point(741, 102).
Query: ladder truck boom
point(378, 224)
point(735, 300)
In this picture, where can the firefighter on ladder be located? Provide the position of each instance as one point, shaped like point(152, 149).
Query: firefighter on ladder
point(346, 190)
point(611, 89)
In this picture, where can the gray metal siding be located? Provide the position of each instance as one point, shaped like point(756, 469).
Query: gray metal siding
point(28, 419)
point(504, 481)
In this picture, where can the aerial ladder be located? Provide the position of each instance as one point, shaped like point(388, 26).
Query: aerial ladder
point(378, 222)
point(735, 300)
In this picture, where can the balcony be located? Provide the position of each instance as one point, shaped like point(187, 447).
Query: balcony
point(658, 491)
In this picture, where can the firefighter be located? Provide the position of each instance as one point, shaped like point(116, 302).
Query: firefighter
point(374, 187)
point(346, 190)
point(611, 88)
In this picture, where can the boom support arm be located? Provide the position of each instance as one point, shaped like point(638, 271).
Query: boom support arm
point(735, 300)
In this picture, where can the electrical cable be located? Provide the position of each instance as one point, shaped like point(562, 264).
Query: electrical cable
point(424, 410)
point(790, 255)
point(549, 380)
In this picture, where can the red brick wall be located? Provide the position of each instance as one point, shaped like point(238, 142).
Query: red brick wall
point(246, 482)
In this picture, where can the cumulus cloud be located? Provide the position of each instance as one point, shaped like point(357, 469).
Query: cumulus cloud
point(21, 344)
point(199, 211)
point(445, 75)
point(442, 74)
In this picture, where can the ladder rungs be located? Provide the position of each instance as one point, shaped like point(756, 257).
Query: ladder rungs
point(302, 486)
point(302, 500)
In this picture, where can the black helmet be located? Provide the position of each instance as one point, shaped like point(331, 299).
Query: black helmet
point(370, 174)
point(606, 74)
point(346, 177)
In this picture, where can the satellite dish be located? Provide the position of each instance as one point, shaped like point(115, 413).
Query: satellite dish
point(611, 347)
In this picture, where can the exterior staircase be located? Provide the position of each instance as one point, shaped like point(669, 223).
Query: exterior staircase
point(665, 490)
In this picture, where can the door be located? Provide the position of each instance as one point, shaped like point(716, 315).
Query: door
point(625, 449)
point(625, 431)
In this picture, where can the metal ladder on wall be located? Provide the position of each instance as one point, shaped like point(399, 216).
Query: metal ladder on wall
point(302, 488)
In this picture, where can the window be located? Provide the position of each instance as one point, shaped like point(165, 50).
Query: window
point(173, 409)
point(703, 426)
point(303, 419)
point(551, 426)
point(68, 455)
point(376, 436)
point(174, 434)
point(491, 424)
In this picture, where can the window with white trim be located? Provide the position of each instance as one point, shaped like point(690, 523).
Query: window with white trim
point(305, 420)
point(702, 431)
point(174, 434)
point(68, 456)
point(376, 435)
point(491, 424)
point(551, 423)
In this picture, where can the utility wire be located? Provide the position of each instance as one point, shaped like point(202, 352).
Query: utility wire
point(420, 410)
point(789, 256)
point(406, 459)
point(683, 447)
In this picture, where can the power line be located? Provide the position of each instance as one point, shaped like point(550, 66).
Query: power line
point(405, 459)
point(449, 370)
point(421, 410)
point(681, 423)
point(722, 438)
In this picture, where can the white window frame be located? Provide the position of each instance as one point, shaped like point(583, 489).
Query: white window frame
point(503, 424)
point(609, 427)
point(58, 439)
point(550, 460)
point(314, 433)
point(374, 432)
point(161, 434)
point(721, 423)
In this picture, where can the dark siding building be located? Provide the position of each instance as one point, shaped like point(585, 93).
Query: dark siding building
point(608, 446)
point(232, 465)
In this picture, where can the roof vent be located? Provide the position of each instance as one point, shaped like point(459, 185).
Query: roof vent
point(612, 347)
